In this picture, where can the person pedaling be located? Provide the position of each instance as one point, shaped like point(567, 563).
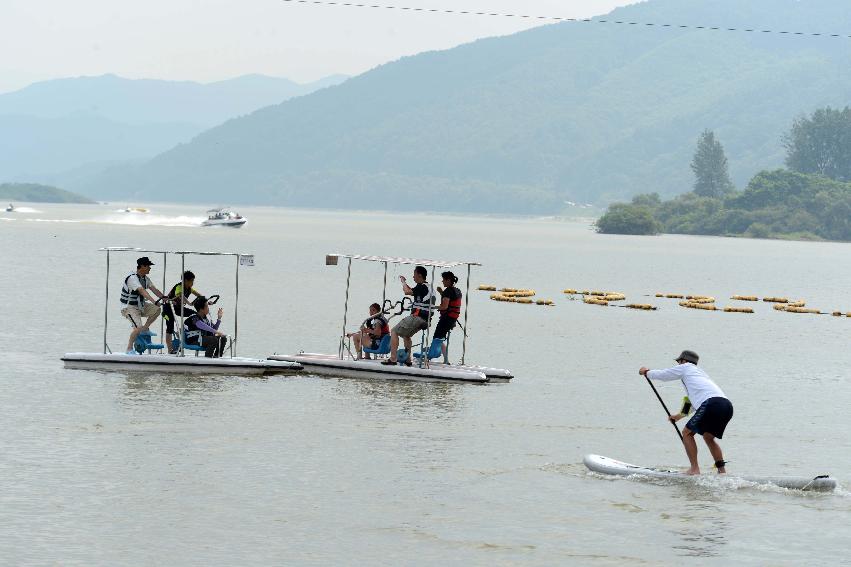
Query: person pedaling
point(200, 331)
point(138, 305)
point(172, 306)
point(380, 323)
point(371, 331)
point(450, 305)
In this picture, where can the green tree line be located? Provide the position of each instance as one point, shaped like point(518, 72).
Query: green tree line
point(809, 200)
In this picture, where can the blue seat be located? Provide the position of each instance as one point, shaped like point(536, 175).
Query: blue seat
point(143, 342)
point(383, 346)
point(175, 345)
point(436, 350)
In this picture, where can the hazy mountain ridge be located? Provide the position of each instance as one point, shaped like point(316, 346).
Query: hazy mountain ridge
point(581, 111)
point(52, 130)
point(133, 101)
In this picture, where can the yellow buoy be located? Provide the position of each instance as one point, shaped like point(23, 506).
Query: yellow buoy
point(798, 303)
point(595, 301)
point(802, 310)
point(745, 298)
point(544, 302)
point(781, 307)
point(837, 313)
point(487, 287)
point(570, 291)
point(776, 299)
point(642, 306)
point(738, 310)
point(693, 305)
point(675, 296)
point(614, 296)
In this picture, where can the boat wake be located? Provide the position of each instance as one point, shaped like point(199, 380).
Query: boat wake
point(128, 220)
point(27, 210)
point(716, 483)
point(152, 220)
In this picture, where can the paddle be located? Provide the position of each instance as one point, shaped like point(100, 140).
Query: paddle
point(667, 413)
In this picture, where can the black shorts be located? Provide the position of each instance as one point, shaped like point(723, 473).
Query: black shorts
point(169, 316)
point(444, 325)
point(712, 417)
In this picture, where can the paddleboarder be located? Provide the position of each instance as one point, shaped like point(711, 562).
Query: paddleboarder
point(713, 413)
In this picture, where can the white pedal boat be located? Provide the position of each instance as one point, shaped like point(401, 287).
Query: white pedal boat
point(344, 365)
point(185, 361)
point(606, 465)
point(331, 365)
point(173, 363)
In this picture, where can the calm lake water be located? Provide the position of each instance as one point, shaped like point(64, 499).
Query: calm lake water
point(146, 469)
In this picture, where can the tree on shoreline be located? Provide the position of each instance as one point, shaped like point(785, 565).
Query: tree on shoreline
point(712, 178)
point(821, 144)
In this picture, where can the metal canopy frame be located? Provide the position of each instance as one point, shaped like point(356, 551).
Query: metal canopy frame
point(182, 254)
point(333, 259)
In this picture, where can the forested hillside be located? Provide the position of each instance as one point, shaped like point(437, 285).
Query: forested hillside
point(585, 112)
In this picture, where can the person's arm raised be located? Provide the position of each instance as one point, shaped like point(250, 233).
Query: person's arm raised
point(405, 287)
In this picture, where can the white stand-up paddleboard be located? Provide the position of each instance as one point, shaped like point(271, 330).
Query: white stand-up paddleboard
point(605, 465)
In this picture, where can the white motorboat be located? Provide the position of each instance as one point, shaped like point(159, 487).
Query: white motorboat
point(151, 357)
point(430, 364)
point(224, 217)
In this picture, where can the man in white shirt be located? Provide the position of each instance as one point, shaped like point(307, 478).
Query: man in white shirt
point(713, 413)
point(134, 294)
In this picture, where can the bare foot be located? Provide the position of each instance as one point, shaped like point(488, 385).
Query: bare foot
point(692, 472)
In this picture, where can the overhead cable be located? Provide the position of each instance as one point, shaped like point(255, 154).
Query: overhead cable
point(561, 18)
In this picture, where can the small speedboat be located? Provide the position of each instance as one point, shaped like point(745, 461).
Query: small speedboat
point(224, 217)
point(10, 208)
point(138, 210)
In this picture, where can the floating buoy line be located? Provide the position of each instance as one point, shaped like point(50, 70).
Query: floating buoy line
point(689, 301)
point(515, 295)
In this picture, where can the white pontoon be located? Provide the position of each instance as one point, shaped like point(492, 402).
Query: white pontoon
point(431, 363)
point(224, 217)
point(151, 357)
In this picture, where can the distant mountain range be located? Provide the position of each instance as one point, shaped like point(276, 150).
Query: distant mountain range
point(576, 111)
point(66, 124)
point(585, 112)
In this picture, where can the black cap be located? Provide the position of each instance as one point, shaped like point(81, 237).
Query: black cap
point(688, 356)
point(144, 261)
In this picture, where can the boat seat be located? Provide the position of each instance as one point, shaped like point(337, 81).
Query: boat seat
point(436, 350)
point(383, 346)
point(143, 342)
point(197, 348)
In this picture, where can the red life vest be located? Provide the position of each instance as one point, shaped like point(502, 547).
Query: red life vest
point(453, 311)
point(385, 326)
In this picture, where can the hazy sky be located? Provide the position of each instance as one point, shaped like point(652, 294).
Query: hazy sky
point(208, 40)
